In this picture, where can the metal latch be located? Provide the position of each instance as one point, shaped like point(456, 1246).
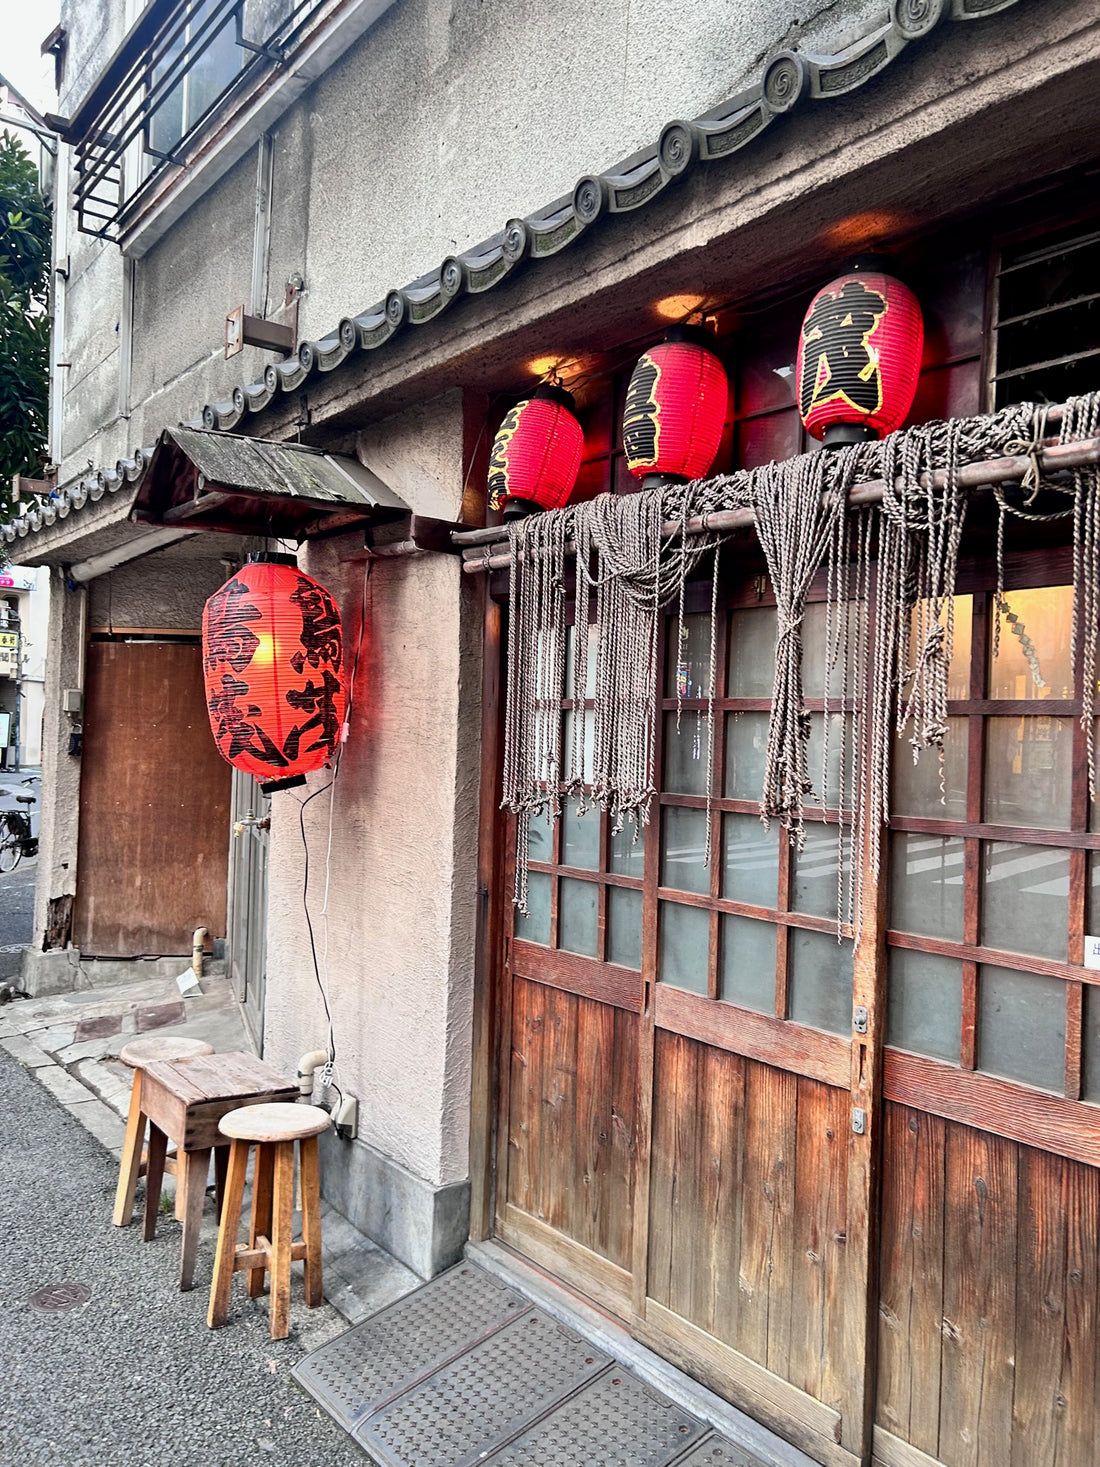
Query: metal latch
point(859, 1020)
point(859, 1121)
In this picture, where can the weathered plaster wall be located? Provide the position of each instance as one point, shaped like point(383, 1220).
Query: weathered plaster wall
point(401, 885)
point(162, 592)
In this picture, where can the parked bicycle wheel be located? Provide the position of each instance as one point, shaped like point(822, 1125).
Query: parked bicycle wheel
point(11, 852)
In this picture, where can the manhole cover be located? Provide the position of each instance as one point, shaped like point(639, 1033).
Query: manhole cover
point(56, 1298)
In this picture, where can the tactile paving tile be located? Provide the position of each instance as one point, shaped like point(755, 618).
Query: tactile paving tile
point(717, 1452)
point(361, 1370)
point(481, 1400)
point(615, 1422)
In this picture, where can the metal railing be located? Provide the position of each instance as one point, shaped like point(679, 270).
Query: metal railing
point(115, 160)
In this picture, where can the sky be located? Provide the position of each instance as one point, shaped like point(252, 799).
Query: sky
point(24, 25)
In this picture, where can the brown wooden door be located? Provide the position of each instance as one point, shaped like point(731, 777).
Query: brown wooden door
point(154, 804)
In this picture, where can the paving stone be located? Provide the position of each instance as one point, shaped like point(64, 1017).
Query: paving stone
point(25, 1051)
point(99, 1078)
point(53, 1037)
point(100, 1120)
point(160, 1016)
point(61, 1084)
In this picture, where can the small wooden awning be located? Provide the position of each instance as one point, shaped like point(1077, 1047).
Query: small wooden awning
point(202, 480)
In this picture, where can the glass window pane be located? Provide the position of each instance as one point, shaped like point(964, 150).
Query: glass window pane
point(815, 654)
point(214, 69)
point(746, 744)
point(578, 916)
point(746, 974)
point(1092, 912)
point(830, 790)
point(820, 981)
point(688, 674)
point(627, 850)
point(1025, 898)
point(540, 838)
point(683, 845)
point(915, 788)
point(1033, 658)
point(683, 946)
point(580, 837)
point(924, 1004)
point(1028, 763)
point(624, 926)
point(750, 872)
point(686, 753)
point(815, 872)
point(588, 736)
point(926, 885)
point(1090, 1069)
point(752, 653)
point(958, 671)
point(1022, 1027)
point(535, 927)
point(570, 655)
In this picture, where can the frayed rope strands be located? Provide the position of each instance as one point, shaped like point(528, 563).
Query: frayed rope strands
point(890, 570)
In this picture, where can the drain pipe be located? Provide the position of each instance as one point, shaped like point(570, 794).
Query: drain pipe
point(307, 1066)
point(197, 941)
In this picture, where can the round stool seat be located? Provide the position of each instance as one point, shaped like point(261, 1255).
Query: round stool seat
point(276, 1121)
point(141, 1052)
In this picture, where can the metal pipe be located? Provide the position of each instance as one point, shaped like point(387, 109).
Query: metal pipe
point(971, 476)
point(197, 940)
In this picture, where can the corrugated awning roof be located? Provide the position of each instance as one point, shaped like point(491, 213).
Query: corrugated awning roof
point(218, 481)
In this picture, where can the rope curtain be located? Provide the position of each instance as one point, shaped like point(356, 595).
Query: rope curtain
point(890, 571)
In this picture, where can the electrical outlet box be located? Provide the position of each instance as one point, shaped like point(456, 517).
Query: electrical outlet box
point(346, 1118)
point(72, 700)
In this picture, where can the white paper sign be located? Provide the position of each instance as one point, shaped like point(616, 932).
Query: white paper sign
point(1092, 952)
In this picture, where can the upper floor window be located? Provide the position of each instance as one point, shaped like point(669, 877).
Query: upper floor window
point(200, 57)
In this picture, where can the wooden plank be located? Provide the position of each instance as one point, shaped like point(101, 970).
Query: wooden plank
point(1049, 1122)
point(817, 1295)
point(785, 1045)
point(311, 1222)
point(911, 1277)
point(559, 1131)
point(1040, 1308)
point(767, 1235)
point(572, 973)
point(891, 1451)
point(515, 1184)
point(191, 1176)
point(282, 1203)
point(804, 1421)
point(979, 1321)
point(593, 1139)
point(218, 1308)
point(718, 1246)
point(679, 1090)
point(579, 1267)
point(1078, 1420)
point(661, 1161)
point(145, 713)
point(154, 1178)
point(969, 952)
point(620, 1186)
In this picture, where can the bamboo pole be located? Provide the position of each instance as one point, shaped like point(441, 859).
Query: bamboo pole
point(484, 553)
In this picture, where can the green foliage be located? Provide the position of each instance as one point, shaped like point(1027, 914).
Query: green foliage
point(24, 316)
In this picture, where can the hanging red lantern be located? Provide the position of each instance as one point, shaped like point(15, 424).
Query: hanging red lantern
point(859, 357)
point(272, 652)
point(536, 454)
point(675, 407)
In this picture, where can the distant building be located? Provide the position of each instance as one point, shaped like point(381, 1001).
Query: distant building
point(24, 614)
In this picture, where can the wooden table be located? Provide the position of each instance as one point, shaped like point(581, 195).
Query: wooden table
point(184, 1103)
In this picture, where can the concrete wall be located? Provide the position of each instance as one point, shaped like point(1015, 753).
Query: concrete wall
point(400, 881)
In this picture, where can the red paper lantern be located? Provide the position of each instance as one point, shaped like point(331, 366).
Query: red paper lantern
point(675, 407)
point(859, 357)
point(272, 652)
point(536, 454)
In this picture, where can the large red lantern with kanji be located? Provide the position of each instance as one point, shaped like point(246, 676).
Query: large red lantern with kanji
point(859, 357)
point(536, 454)
point(675, 407)
point(272, 652)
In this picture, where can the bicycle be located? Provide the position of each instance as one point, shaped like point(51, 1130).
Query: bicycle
point(17, 838)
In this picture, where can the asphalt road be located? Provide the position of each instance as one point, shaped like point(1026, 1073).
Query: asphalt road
point(132, 1377)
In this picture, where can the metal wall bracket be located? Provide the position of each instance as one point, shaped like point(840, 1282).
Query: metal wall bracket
point(859, 1121)
point(860, 1019)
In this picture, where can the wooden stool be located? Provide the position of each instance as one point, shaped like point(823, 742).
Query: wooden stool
point(137, 1054)
point(184, 1102)
point(274, 1129)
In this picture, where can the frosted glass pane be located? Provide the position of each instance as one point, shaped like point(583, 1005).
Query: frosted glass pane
point(746, 743)
point(1090, 1075)
point(815, 654)
point(752, 653)
point(1022, 1027)
point(624, 926)
point(578, 916)
point(1025, 898)
point(580, 837)
point(746, 974)
point(627, 854)
point(821, 981)
point(683, 946)
point(750, 872)
point(924, 1004)
point(535, 927)
point(686, 754)
point(540, 838)
point(958, 671)
point(926, 885)
point(588, 734)
point(815, 871)
point(835, 793)
point(1028, 763)
point(689, 673)
point(915, 788)
point(683, 844)
point(1033, 658)
point(570, 657)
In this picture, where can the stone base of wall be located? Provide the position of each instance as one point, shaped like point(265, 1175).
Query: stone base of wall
point(63, 970)
point(425, 1227)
